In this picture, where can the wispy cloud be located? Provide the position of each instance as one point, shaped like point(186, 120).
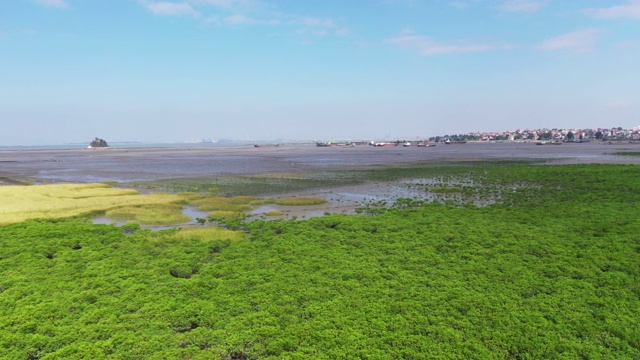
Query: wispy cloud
point(239, 19)
point(246, 13)
point(577, 41)
point(170, 8)
point(630, 9)
point(426, 45)
point(54, 3)
point(317, 26)
point(226, 3)
point(522, 5)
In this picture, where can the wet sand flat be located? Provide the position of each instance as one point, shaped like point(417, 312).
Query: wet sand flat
point(146, 164)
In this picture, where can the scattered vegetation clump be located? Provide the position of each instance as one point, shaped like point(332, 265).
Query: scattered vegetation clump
point(445, 190)
point(551, 271)
point(627, 153)
point(240, 185)
point(156, 214)
point(218, 203)
point(274, 213)
point(299, 201)
point(209, 234)
point(225, 215)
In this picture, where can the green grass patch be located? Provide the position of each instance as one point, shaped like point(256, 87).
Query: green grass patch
point(274, 213)
point(210, 234)
point(225, 215)
point(300, 201)
point(218, 203)
point(155, 214)
point(627, 153)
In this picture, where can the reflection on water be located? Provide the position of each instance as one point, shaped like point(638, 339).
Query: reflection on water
point(193, 213)
point(106, 221)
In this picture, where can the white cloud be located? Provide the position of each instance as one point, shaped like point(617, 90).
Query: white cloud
point(239, 19)
point(578, 41)
point(311, 22)
point(630, 9)
point(170, 8)
point(246, 13)
point(225, 3)
point(425, 45)
point(54, 3)
point(522, 5)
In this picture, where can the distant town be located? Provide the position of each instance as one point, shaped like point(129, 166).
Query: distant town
point(543, 136)
point(557, 135)
point(539, 136)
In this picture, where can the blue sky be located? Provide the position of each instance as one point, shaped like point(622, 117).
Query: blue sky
point(165, 71)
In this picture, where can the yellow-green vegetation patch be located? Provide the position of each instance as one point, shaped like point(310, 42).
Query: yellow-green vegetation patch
point(274, 213)
point(210, 234)
point(243, 199)
point(189, 195)
point(225, 214)
point(19, 203)
point(299, 201)
point(218, 203)
point(152, 214)
point(262, 201)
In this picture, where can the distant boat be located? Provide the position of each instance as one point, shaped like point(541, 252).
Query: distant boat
point(385, 144)
point(448, 142)
point(266, 145)
point(548, 143)
point(423, 144)
point(332, 144)
point(407, 144)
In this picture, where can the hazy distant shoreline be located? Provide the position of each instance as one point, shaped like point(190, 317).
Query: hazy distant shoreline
point(148, 163)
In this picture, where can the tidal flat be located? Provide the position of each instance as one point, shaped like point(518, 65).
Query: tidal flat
point(140, 164)
point(547, 267)
point(347, 177)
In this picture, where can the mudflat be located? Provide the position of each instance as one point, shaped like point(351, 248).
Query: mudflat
point(153, 163)
point(141, 164)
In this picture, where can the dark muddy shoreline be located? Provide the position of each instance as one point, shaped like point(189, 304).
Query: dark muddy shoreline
point(125, 165)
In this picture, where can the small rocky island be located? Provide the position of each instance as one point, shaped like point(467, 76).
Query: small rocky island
point(98, 143)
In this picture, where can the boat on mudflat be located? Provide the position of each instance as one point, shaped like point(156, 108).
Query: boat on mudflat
point(266, 145)
point(449, 142)
point(548, 143)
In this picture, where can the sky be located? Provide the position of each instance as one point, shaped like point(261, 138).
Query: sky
point(180, 70)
